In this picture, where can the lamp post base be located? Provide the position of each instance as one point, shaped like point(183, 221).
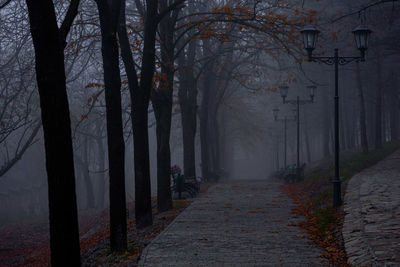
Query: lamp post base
point(337, 195)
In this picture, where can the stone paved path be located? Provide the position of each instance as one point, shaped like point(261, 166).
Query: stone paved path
point(371, 229)
point(235, 224)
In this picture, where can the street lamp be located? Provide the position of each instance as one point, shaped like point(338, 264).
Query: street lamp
point(284, 92)
point(311, 89)
point(275, 112)
point(310, 38)
point(283, 89)
point(361, 37)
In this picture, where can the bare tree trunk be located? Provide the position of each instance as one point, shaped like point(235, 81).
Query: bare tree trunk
point(140, 105)
point(204, 132)
point(213, 137)
point(140, 97)
point(50, 75)
point(144, 203)
point(188, 102)
point(86, 177)
point(204, 123)
point(342, 129)
point(394, 110)
point(84, 170)
point(162, 105)
point(307, 142)
point(223, 140)
point(326, 129)
point(277, 153)
point(109, 14)
point(102, 175)
point(349, 122)
point(378, 110)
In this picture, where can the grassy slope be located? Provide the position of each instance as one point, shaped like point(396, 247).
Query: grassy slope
point(314, 200)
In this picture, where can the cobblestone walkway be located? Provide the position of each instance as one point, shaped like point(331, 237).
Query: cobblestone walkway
point(234, 224)
point(371, 228)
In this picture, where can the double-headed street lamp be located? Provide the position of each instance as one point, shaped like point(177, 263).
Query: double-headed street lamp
point(275, 112)
point(284, 92)
point(310, 38)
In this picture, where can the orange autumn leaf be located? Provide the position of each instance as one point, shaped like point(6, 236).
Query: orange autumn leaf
point(257, 211)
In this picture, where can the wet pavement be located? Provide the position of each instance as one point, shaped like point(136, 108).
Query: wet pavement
point(242, 223)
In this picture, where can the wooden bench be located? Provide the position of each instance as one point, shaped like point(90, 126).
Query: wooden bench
point(290, 175)
point(181, 185)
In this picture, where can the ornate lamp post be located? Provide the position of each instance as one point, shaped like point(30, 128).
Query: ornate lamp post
point(284, 92)
point(310, 38)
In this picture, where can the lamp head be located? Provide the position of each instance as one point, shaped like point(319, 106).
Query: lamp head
point(311, 89)
point(275, 113)
point(284, 91)
point(310, 38)
point(361, 37)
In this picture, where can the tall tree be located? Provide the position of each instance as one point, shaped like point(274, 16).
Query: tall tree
point(187, 95)
point(84, 163)
point(394, 106)
point(140, 92)
point(378, 105)
point(326, 128)
point(140, 107)
point(363, 124)
point(161, 99)
point(140, 97)
point(206, 87)
point(109, 17)
point(49, 42)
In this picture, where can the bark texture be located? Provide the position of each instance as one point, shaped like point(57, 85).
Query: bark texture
point(140, 107)
point(50, 74)
point(378, 105)
point(363, 123)
point(188, 103)
point(109, 15)
point(162, 103)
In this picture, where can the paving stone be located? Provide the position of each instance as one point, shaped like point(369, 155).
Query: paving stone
point(241, 223)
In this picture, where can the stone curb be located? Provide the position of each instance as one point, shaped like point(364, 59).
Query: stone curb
point(370, 228)
point(358, 249)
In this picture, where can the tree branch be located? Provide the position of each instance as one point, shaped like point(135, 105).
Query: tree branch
point(364, 8)
point(9, 164)
point(171, 7)
point(3, 5)
point(67, 22)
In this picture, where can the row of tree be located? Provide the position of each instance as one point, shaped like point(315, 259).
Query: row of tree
point(49, 42)
point(212, 47)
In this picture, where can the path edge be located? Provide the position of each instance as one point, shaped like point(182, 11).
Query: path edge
point(357, 247)
point(143, 256)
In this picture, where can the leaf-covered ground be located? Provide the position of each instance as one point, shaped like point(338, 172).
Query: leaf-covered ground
point(27, 244)
point(313, 198)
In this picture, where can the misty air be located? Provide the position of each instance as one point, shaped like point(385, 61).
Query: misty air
point(199, 133)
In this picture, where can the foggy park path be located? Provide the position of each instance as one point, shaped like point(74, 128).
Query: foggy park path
point(237, 223)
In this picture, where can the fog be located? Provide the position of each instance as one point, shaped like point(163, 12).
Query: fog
point(243, 140)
